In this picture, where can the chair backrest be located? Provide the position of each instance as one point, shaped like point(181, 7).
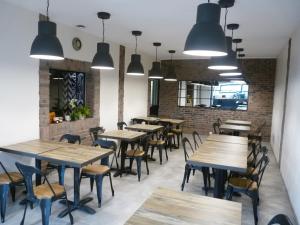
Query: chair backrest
point(105, 144)
point(264, 161)
point(27, 173)
point(70, 138)
point(196, 137)
point(95, 131)
point(219, 121)
point(280, 219)
point(187, 148)
point(145, 143)
point(216, 127)
point(121, 125)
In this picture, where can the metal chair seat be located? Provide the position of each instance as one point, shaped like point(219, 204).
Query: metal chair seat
point(44, 191)
point(242, 183)
point(15, 176)
point(95, 170)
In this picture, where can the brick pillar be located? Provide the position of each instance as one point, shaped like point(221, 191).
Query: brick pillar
point(121, 83)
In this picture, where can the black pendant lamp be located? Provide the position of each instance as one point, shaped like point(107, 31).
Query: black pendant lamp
point(228, 62)
point(46, 45)
point(135, 67)
point(102, 59)
point(206, 37)
point(237, 72)
point(155, 72)
point(171, 74)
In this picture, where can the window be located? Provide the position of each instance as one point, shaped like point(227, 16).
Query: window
point(231, 95)
point(65, 86)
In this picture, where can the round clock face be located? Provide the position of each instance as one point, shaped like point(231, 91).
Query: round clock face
point(76, 44)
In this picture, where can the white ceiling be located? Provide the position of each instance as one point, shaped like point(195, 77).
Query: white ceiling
point(265, 25)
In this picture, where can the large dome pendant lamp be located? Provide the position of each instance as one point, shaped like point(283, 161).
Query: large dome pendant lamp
point(46, 45)
point(237, 72)
point(206, 37)
point(135, 67)
point(102, 59)
point(228, 62)
point(171, 74)
point(155, 72)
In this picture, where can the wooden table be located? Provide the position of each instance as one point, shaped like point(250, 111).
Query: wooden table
point(221, 157)
point(175, 122)
point(148, 119)
point(227, 139)
point(144, 128)
point(62, 154)
point(238, 122)
point(235, 128)
point(125, 136)
point(166, 206)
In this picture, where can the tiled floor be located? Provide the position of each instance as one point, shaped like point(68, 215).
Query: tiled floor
point(130, 194)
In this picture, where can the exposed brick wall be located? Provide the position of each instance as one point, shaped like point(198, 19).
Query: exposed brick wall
point(259, 72)
point(81, 127)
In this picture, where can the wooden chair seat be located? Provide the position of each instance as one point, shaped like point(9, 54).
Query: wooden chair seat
point(177, 131)
point(133, 153)
point(157, 142)
point(170, 134)
point(44, 191)
point(95, 169)
point(252, 170)
point(15, 176)
point(242, 183)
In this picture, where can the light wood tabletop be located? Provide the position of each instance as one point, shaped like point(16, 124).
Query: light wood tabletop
point(125, 135)
point(144, 127)
point(75, 155)
point(228, 139)
point(147, 118)
point(166, 206)
point(30, 148)
point(234, 127)
point(172, 121)
point(239, 122)
point(225, 157)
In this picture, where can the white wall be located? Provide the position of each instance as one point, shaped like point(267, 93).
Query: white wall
point(290, 161)
point(136, 89)
point(278, 104)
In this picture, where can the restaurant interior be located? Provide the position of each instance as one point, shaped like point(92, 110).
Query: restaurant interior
point(149, 112)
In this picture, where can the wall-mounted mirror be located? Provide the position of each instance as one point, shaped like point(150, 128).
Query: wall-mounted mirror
point(230, 95)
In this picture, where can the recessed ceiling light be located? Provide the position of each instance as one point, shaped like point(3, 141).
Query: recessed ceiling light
point(80, 26)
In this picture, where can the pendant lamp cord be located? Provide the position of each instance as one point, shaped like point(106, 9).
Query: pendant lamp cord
point(225, 21)
point(103, 28)
point(156, 53)
point(135, 44)
point(47, 10)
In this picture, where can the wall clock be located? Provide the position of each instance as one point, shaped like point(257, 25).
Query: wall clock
point(76, 43)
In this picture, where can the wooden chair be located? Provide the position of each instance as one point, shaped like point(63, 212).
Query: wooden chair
point(96, 172)
point(248, 186)
point(8, 181)
point(139, 155)
point(160, 144)
point(196, 136)
point(280, 219)
point(45, 193)
point(188, 150)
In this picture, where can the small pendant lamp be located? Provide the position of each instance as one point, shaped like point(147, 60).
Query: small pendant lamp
point(171, 74)
point(155, 72)
point(102, 59)
point(237, 72)
point(135, 67)
point(46, 45)
point(206, 37)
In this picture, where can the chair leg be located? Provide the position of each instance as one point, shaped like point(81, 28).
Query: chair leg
point(205, 179)
point(188, 175)
point(228, 195)
point(13, 192)
point(115, 156)
point(99, 181)
point(254, 197)
point(166, 154)
point(69, 209)
point(146, 161)
point(178, 138)
point(45, 205)
point(184, 178)
point(3, 197)
point(131, 162)
point(152, 150)
point(24, 214)
point(160, 154)
point(111, 185)
point(138, 164)
point(119, 151)
point(170, 143)
point(92, 179)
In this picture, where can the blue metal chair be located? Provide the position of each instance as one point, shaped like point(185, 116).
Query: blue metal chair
point(8, 181)
point(280, 219)
point(121, 125)
point(45, 194)
point(195, 137)
point(108, 145)
point(94, 132)
point(70, 138)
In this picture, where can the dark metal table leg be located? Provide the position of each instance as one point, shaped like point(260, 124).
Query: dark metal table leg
point(61, 174)
point(77, 203)
point(124, 146)
point(38, 177)
point(220, 177)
